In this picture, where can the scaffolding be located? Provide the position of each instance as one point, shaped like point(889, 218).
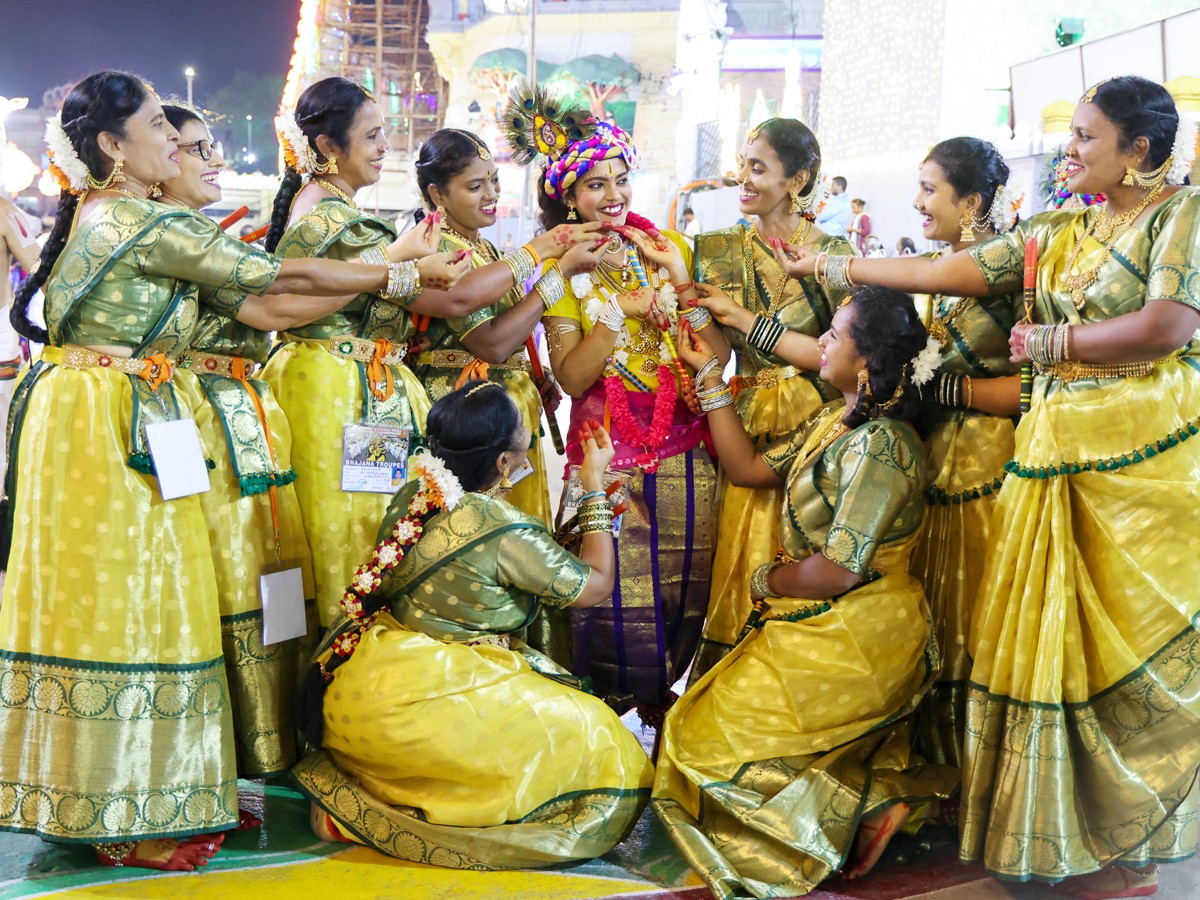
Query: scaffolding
point(381, 45)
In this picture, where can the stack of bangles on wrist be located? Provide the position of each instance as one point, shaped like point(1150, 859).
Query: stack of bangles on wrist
point(713, 397)
point(551, 287)
point(765, 334)
point(1046, 345)
point(523, 261)
point(403, 281)
point(611, 315)
point(698, 317)
point(758, 579)
point(595, 513)
point(833, 271)
point(953, 391)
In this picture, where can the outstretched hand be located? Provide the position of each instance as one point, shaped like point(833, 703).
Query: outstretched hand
point(693, 349)
point(420, 240)
point(798, 262)
point(441, 271)
point(724, 308)
point(598, 452)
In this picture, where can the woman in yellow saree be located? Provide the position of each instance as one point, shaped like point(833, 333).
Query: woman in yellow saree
point(446, 740)
point(792, 755)
point(1083, 728)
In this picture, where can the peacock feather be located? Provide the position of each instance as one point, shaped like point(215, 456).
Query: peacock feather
point(537, 124)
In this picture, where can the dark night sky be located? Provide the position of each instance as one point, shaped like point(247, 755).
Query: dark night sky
point(44, 43)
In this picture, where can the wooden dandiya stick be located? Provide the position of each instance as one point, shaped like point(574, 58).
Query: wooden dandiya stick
point(234, 217)
point(1029, 295)
point(539, 373)
point(256, 235)
point(640, 272)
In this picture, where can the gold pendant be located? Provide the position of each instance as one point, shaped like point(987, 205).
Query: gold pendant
point(649, 366)
point(939, 332)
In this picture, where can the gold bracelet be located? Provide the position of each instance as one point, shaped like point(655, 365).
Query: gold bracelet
point(970, 392)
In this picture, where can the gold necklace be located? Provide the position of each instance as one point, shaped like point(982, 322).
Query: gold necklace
point(1107, 229)
point(800, 235)
point(830, 436)
point(481, 247)
point(335, 190)
point(939, 327)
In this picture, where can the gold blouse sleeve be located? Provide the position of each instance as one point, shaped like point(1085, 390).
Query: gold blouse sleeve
point(1174, 266)
point(193, 249)
point(529, 560)
point(879, 472)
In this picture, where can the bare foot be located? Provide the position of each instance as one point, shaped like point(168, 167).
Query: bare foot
point(166, 854)
point(1110, 883)
point(247, 820)
point(873, 836)
point(323, 827)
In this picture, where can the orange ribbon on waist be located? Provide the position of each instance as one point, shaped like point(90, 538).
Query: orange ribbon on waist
point(476, 369)
point(378, 374)
point(156, 370)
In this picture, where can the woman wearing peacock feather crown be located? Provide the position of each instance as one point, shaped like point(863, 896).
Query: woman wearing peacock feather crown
point(611, 340)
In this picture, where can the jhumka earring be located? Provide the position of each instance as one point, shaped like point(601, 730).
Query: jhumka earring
point(1147, 181)
point(441, 211)
point(116, 176)
point(797, 203)
point(153, 192)
point(967, 223)
point(329, 167)
point(505, 484)
point(572, 216)
point(864, 384)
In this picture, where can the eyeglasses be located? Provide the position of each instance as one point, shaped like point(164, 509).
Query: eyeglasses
point(203, 149)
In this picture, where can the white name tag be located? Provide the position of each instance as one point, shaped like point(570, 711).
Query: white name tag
point(283, 605)
point(374, 458)
point(518, 474)
point(178, 458)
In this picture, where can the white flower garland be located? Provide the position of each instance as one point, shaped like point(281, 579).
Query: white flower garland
point(1003, 211)
point(435, 475)
point(1183, 153)
point(925, 364)
point(294, 141)
point(819, 194)
point(63, 155)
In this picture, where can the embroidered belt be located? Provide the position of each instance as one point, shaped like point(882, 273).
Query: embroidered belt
point(215, 364)
point(1072, 370)
point(155, 369)
point(457, 359)
point(348, 347)
point(495, 640)
point(765, 378)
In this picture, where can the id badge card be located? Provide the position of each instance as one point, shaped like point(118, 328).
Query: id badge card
point(374, 458)
point(520, 474)
point(281, 589)
point(178, 458)
point(575, 491)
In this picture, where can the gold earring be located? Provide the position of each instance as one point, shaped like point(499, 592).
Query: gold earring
point(441, 211)
point(329, 167)
point(505, 484)
point(967, 223)
point(797, 203)
point(1147, 181)
point(864, 384)
point(116, 176)
point(571, 214)
point(153, 192)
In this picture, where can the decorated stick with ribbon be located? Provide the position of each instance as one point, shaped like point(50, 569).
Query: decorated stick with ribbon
point(234, 217)
point(640, 272)
point(1029, 295)
point(539, 373)
point(256, 235)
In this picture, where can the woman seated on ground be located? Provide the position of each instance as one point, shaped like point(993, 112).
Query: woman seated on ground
point(445, 739)
point(798, 740)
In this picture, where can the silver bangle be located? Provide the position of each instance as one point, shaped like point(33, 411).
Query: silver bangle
point(551, 287)
point(522, 263)
point(699, 318)
point(404, 281)
point(707, 369)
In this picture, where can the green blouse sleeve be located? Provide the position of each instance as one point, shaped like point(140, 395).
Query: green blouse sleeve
point(529, 559)
point(879, 472)
point(226, 270)
point(1001, 260)
point(464, 325)
point(1174, 264)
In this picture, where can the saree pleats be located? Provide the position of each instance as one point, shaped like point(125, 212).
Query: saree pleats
point(241, 532)
point(773, 758)
point(1083, 728)
point(748, 530)
point(967, 455)
point(320, 394)
point(462, 756)
point(113, 694)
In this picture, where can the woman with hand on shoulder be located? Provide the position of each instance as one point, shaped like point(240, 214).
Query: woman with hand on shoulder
point(610, 352)
point(790, 759)
point(110, 599)
point(458, 178)
point(446, 740)
point(772, 321)
point(348, 368)
point(1083, 639)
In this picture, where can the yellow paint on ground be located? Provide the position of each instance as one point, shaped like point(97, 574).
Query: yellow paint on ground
point(359, 874)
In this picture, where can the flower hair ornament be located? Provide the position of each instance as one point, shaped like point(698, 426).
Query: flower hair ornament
point(1183, 152)
point(297, 152)
point(66, 168)
point(925, 364)
point(1006, 204)
point(538, 125)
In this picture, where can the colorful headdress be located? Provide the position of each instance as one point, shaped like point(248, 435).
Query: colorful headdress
point(297, 151)
point(538, 125)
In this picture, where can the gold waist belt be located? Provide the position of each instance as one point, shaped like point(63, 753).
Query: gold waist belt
point(154, 369)
point(1072, 370)
point(458, 359)
point(215, 364)
point(765, 378)
point(348, 347)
